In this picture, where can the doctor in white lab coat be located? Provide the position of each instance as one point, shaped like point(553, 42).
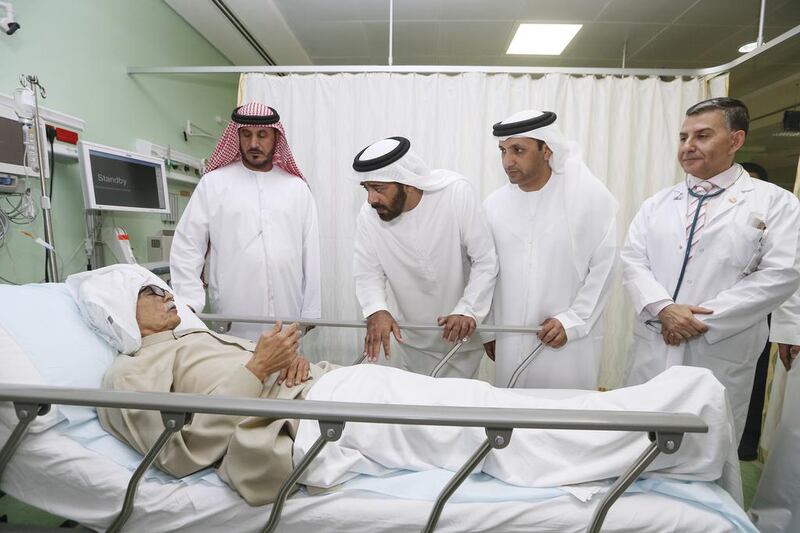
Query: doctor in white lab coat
point(742, 263)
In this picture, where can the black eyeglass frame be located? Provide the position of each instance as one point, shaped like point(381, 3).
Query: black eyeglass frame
point(154, 289)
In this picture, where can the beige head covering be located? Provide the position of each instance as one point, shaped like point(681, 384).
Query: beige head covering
point(107, 300)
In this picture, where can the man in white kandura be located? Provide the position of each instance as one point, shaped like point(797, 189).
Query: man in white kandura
point(554, 226)
point(422, 232)
point(254, 218)
point(708, 259)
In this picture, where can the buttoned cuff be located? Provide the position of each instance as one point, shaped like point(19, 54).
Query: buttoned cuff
point(656, 307)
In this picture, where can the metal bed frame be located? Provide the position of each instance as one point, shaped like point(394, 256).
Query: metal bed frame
point(222, 324)
point(665, 430)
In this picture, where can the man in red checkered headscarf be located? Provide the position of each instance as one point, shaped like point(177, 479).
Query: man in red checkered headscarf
point(254, 223)
point(232, 147)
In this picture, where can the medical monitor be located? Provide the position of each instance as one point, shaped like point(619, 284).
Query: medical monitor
point(12, 149)
point(121, 180)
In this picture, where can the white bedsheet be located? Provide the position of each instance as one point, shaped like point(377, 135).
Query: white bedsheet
point(534, 458)
point(63, 477)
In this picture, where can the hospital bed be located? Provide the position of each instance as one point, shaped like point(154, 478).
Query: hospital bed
point(64, 463)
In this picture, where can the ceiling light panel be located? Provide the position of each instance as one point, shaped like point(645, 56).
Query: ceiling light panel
point(542, 39)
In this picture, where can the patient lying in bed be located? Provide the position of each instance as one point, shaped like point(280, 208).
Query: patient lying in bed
point(254, 455)
point(136, 312)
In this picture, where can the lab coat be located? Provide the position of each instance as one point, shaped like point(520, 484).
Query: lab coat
point(262, 237)
point(738, 270)
point(776, 505)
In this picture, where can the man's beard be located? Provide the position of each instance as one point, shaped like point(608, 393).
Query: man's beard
point(265, 165)
point(395, 209)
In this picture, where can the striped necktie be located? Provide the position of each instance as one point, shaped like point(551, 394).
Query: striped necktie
point(703, 188)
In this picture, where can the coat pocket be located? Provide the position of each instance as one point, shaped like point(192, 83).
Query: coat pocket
point(743, 248)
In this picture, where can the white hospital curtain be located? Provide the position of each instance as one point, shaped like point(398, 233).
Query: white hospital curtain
point(628, 128)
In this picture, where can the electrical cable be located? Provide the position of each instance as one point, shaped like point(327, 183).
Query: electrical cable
point(3, 228)
point(21, 212)
point(50, 133)
point(24, 212)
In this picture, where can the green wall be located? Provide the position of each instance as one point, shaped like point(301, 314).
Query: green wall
point(80, 50)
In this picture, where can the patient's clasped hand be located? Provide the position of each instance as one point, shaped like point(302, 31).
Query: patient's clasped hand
point(134, 311)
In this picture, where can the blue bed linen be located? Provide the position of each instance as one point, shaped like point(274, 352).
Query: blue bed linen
point(58, 342)
point(483, 488)
point(91, 435)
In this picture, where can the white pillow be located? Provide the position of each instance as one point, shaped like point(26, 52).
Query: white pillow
point(107, 300)
point(48, 342)
point(16, 368)
point(47, 327)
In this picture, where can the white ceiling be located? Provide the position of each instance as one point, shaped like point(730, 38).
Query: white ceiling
point(659, 33)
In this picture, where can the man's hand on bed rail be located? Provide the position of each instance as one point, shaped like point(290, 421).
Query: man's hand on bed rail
point(379, 325)
point(457, 328)
point(275, 350)
point(553, 333)
point(296, 373)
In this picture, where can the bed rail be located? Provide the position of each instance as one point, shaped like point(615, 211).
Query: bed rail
point(222, 323)
point(665, 430)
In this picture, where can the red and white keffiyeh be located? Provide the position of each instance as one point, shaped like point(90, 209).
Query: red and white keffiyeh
point(227, 150)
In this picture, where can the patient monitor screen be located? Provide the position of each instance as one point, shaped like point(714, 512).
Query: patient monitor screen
point(12, 151)
point(126, 182)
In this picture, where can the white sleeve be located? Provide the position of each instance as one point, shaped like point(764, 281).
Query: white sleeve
point(593, 295)
point(489, 336)
point(370, 279)
point(312, 307)
point(775, 280)
point(477, 239)
point(637, 277)
point(189, 246)
point(785, 327)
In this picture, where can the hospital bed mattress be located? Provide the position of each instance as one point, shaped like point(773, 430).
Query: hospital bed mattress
point(57, 474)
point(77, 471)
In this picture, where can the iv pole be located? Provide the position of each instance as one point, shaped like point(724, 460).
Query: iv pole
point(51, 267)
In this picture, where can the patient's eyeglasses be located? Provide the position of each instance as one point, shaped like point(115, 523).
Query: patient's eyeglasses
point(153, 289)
